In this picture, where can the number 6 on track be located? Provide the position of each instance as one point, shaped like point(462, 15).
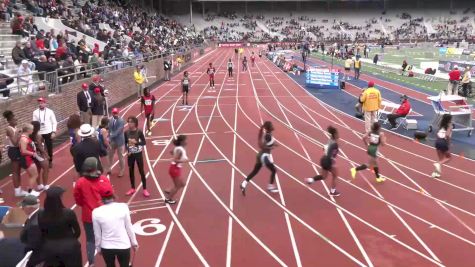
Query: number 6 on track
point(153, 224)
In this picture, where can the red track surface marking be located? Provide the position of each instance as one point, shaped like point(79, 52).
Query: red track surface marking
point(410, 220)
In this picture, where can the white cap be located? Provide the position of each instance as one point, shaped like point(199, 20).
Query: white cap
point(24, 61)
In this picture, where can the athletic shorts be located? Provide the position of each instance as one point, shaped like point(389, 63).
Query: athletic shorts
point(347, 69)
point(262, 156)
point(185, 89)
point(14, 153)
point(149, 115)
point(26, 161)
point(442, 145)
point(174, 171)
point(373, 151)
point(326, 163)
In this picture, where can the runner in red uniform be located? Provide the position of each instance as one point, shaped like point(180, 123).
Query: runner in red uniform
point(253, 59)
point(211, 71)
point(148, 103)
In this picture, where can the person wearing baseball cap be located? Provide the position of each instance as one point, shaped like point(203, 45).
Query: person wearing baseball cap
point(96, 83)
point(87, 196)
point(116, 139)
point(48, 126)
point(84, 102)
point(113, 230)
point(371, 103)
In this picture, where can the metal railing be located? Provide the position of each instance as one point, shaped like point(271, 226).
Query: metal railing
point(53, 81)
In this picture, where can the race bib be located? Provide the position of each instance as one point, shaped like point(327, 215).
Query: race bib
point(374, 139)
point(148, 102)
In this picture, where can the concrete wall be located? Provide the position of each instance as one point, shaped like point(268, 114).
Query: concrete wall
point(120, 83)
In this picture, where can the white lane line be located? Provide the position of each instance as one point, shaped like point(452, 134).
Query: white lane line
point(373, 188)
point(175, 220)
point(281, 195)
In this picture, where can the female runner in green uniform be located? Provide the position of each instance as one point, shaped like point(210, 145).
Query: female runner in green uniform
point(373, 140)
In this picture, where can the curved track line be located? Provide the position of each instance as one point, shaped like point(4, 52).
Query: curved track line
point(374, 189)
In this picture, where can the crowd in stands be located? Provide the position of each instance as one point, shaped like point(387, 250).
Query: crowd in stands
point(133, 29)
point(295, 27)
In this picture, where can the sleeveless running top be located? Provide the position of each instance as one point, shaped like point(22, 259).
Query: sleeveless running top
point(331, 149)
point(442, 133)
point(8, 141)
point(267, 142)
point(185, 81)
point(374, 139)
point(183, 157)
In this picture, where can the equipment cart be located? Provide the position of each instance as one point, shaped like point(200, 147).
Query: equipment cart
point(456, 106)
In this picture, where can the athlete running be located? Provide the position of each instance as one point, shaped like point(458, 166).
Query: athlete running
point(373, 140)
point(211, 71)
point(264, 157)
point(327, 162)
point(442, 144)
point(185, 82)
point(253, 59)
point(147, 105)
point(179, 157)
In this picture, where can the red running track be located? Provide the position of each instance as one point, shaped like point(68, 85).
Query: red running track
point(410, 220)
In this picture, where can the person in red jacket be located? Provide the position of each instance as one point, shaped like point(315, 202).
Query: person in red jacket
point(402, 111)
point(86, 195)
point(454, 78)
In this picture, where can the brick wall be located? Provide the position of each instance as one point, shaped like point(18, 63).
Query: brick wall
point(120, 83)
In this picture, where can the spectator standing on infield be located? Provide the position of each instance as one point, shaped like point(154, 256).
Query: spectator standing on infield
point(371, 103)
point(454, 78)
point(357, 66)
point(139, 80)
point(113, 231)
point(86, 195)
point(116, 139)
point(84, 102)
point(167, 66)
point(48, 125)
point(466, 86)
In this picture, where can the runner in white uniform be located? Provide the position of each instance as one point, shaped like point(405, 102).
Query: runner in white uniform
point(264, 157)
point(179, 157)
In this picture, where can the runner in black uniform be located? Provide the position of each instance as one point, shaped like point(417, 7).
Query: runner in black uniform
point(266, 144)
point(230, 68)
point(327, 162)
point(373, 140)
point(442, 144)
point(185, 82)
